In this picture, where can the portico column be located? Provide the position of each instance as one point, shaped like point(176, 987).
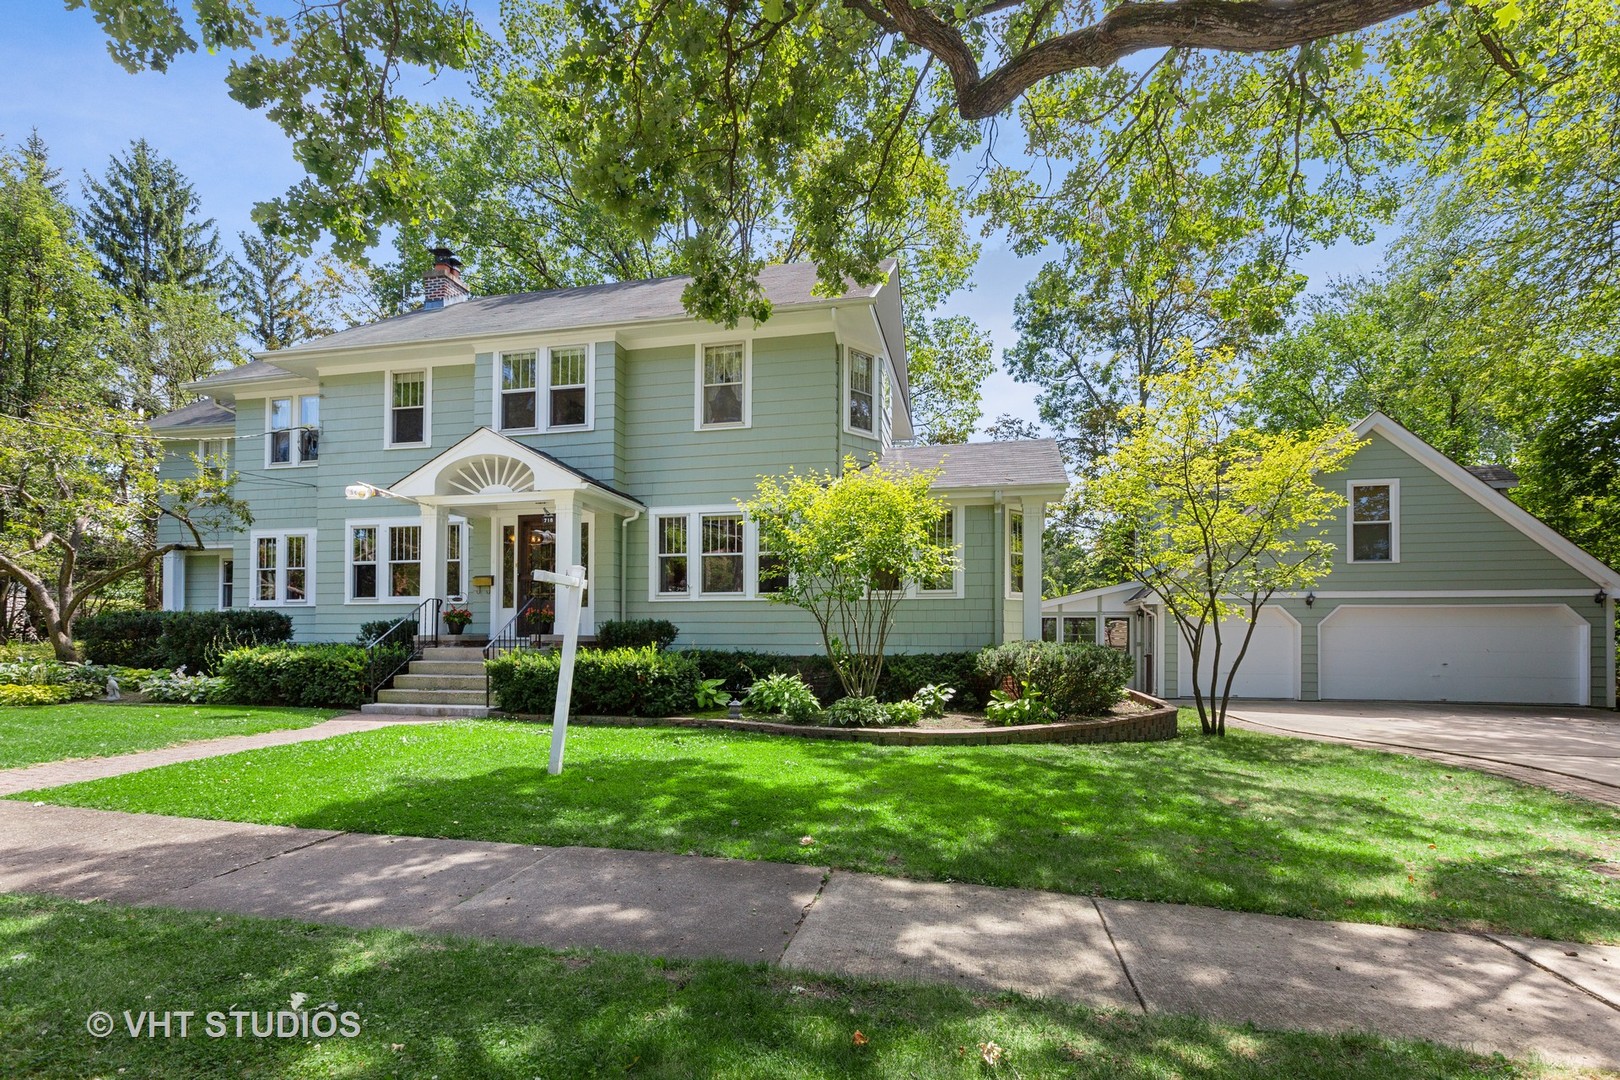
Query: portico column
point(432, 552)
point(1034, 532)
point(568, 514)
point(174, 580)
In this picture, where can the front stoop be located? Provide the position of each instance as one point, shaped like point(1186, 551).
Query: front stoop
point(448, 680)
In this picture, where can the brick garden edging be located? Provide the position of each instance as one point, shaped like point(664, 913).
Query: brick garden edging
point(1153, 726)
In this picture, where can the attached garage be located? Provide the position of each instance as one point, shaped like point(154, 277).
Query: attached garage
point(1511, 653)
point(1270, 668)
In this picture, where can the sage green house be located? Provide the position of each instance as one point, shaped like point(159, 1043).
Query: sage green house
point(598, 426)
point(1442, 589)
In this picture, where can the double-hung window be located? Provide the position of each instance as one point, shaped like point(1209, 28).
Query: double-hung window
point(385, 561)
point(770, 573)
point(566, 390)
point(227, 583)
point(408, 408)
point(944, 535)
point(1375, 511)
point(363, 562)
point(405, 561)
point(711, 554)
point(1015, 552)
point(672, 555)
point(860, 413)
point(290, 443)
point(518, 405)
point(723, 385)
point(722, 553)
point(283, 568)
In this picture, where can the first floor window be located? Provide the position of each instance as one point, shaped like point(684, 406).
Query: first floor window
point(1079, 629)
point(452, 559)
point(281, 568)
point(518, 412)
point(407, 413)
point(1372, 523)
point(724, 386)
point(404, 560)
point(862, 382)
point(1117, 633)
point(1049, 628)
point(567, 391)
point(363, 559)
point(1015, 552)
point(722, 553)
point(944, 535)
point(672, 556)
point(772, 574)
point(227, 583)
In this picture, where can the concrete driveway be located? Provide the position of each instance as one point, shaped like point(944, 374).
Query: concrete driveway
point(1581, 745)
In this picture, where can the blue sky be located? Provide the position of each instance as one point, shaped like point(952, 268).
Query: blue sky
point(87, 108)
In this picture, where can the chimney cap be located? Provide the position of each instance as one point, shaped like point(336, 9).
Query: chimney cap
point(443, 256)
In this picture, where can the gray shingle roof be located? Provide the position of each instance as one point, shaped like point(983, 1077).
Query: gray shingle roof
point(1023, 463)
point(1499, 477)
point(244, 373)
point(199, 414)
point(559, 309)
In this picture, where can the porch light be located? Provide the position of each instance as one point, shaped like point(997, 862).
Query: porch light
point(1310, 599)
point(361, 491)
point(1601, 597)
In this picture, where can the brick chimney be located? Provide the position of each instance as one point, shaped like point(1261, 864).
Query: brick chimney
point(442, 285)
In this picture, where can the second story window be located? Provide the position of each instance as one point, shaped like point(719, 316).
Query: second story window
point(293, 431)
point(862, 386)
point(567, 387)
point(1375, 522)
point(517, 405)
point(723, 386)
point(408, 408)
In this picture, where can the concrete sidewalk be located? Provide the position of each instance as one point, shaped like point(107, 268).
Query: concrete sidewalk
point(1485, 992)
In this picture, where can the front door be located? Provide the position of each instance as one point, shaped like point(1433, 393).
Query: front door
point(536, 550)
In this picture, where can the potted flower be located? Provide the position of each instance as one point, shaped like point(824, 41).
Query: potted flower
point(456, 619)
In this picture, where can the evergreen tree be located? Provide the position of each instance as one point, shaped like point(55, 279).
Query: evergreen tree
point(142, 220)
point(271, 295)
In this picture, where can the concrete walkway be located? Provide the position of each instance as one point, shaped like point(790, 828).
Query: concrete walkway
point(1568, 749)
point(59, 773)
point(1485, 992)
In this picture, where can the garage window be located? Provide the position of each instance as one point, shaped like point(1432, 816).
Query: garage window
point(1375, 521)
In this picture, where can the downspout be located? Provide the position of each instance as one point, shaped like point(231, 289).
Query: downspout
point(623, 544)
point(999, 593)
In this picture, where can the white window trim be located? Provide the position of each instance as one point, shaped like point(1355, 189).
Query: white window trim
point(382, 525)
point(226, 555)
point(1394, 522)
point(957, 589)
point(747, 344)
point(880, 365)
point(280, 536)
point(541, 352)
point(1006, 558)
point(388, 406)
point(297, 461)
point(694, 554)
point(451, 524)
point(590, 387)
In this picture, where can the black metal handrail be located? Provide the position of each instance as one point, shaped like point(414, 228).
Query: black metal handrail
point(415, 640)
point(508, 640)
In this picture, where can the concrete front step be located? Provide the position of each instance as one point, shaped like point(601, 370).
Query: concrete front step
point(405, 708)
point(448, 667)
point(431, 697)
point(453, 652)
point(416, 680)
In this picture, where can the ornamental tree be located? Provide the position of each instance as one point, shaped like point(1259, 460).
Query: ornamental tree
point(1222, 515)
point(79, 502)
point(847, 547)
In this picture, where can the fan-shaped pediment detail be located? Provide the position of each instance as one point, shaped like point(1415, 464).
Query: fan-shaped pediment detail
point(489, 474)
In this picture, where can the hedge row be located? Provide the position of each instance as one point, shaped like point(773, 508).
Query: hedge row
point(313, 676)
point(1073, 680)
point(172, 639)
point(607, 682)
point(903, 673)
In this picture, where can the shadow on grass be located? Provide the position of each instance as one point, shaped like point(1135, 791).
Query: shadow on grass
point(450, 1008)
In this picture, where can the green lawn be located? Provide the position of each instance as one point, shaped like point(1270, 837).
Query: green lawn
point(1252, 822)
point(90, 729)
point(448, 1009)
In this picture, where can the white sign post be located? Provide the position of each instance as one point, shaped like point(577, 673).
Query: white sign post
point(570, 591)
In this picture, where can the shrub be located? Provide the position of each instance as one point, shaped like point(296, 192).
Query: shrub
point(711, 694)
point(781, 693)
point(608, 682)
point(906, 673)
point(856, 712)
point(635, 633)
point(376, 628)
point(903, 673)
point(1074, 680)
point(39, 694)
point(932, 699)
point(173, 639)
point(180, 687)
point(26, 650)
point(903, 713)
point(332, 676)
point(1006, 710)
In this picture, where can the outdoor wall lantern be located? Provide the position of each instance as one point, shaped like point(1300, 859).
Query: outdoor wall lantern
point(1310, 599)
point(1600, 597)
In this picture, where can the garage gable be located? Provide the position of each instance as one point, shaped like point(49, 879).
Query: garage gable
point(1450, 530)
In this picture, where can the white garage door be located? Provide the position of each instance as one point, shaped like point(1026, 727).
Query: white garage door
point(1270, 668)
point(1532, 653)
